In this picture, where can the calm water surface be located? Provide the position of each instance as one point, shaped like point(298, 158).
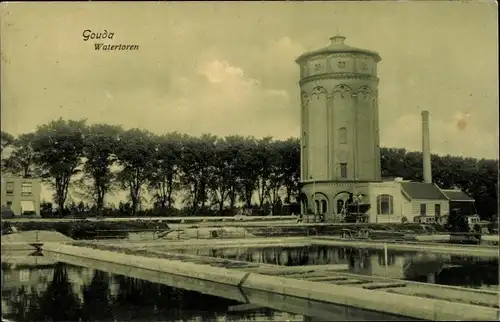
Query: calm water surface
point(465, 271)
point(59, 292)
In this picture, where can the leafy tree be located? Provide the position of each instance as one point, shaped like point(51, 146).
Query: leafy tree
point(135, 152)
point(247, 171)
point(57, 148)
point(263, 166)
point(223, 174)
point(233, 156)
point(290, 167)
point(99, 154)
point(6, 140)
point(197, 166)
point(164, 174)
point(20, 161)
point(276, 175)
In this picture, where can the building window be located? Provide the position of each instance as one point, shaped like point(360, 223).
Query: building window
point(316, 202)
point(317, 67)
point(385, 205)
point(24, 275)
point(341, 64)
point(342, 135)
point(423, 209)
point(340, 206)
point(343, 170)
point(437, 210)
point(26, 188)
point(324, 207)
point(9, 188)
point(9, 204)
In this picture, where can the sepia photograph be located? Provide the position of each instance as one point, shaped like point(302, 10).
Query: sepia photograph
point(305, 161)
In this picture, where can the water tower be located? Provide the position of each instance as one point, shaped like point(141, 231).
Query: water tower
point(340, 149)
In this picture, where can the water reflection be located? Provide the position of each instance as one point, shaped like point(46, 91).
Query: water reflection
point(60, 292)
point(467, 271)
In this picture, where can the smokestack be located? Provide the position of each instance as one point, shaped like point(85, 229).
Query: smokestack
point(426, 148)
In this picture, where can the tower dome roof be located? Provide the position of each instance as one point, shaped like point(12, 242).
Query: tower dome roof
point(337, 45)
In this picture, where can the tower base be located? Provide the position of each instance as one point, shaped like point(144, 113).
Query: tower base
point(325, 200)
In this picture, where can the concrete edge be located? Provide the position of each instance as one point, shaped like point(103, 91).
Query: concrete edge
point(397, 304)
point(436, 249)
point(416, 307)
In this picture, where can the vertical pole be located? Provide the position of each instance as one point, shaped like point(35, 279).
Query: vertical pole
point(385, 258)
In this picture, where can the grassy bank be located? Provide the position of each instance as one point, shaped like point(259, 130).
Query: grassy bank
point(85, 229)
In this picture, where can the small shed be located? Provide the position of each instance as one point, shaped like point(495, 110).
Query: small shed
point(424, 202)
point(461, 201)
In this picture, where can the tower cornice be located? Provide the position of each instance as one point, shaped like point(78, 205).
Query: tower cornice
point(338, 76)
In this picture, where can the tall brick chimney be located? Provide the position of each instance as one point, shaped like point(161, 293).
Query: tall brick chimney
point(426, 148)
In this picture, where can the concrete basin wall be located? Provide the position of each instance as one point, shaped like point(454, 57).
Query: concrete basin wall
point(411, 306)
point(203, 272)
point(395, 304)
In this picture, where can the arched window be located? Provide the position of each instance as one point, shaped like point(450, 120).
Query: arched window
point(340, 205)
point(342, 135)
point(385, 205)
point(324, 207)
point(316, 211)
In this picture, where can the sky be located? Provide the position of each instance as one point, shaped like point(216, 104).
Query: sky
point(229, 68)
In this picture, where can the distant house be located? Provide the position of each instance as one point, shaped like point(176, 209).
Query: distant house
point(459, 200)
point(21, 196)
point(424, 202)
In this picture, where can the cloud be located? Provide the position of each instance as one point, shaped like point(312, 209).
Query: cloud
point(192, 78)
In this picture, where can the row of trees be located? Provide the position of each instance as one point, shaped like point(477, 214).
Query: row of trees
point(205, 172)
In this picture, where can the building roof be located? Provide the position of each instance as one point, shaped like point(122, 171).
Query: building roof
point(338, 46)
point(456, 195)
point(419, 190)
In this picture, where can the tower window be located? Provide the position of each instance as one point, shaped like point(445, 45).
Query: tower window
point(317, 67)
point(342, 135)
point(341, 64)
point(340, 206)
point(324, 207)
point(343, 170)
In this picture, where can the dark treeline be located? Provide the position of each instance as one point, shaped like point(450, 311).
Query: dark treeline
point(207, 174)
